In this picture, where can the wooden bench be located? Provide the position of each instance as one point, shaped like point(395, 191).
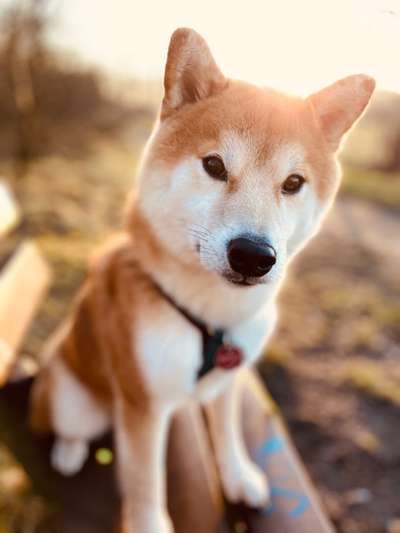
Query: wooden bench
point(23, 283)
point(89, 501)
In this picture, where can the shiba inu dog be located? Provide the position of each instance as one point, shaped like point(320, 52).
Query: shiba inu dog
point(235, 180)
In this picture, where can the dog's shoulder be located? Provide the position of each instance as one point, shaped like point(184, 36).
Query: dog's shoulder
point(116, 278)
point(101, 321)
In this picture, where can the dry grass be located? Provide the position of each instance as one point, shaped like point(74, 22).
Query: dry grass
point(373, 185)
point(373, 379)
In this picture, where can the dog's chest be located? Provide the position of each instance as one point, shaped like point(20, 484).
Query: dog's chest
point(169, 352)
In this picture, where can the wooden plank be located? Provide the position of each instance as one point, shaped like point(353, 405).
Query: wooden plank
point(194, 496)
point(23, 283)
point(9, 213)
point(294, 505)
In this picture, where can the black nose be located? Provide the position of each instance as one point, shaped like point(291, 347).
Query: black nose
point(250, 258)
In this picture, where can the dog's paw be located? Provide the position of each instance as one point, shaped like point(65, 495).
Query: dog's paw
point(152, 521)
point(69, 455)
point(246, 483)
point(164, 524)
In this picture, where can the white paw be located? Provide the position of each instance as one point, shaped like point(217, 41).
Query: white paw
point(164, 524)
point(69, 455)
point(150, 521)
point(245, 482)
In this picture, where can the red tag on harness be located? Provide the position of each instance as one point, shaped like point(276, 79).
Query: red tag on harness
point(228, 356)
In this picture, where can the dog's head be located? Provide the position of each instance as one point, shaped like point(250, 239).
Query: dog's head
point(236, 178)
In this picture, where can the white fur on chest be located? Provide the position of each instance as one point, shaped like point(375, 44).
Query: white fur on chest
point(169, 353)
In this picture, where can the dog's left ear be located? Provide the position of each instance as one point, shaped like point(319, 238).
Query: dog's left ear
point(338, 106)
point(191, 73)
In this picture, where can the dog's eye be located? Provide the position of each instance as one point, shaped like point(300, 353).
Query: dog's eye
point(214, 166)
point(293, 184)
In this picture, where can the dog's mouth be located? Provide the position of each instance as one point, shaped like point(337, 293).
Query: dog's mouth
point(235, 278)
point(245, 283)
point(242, 281)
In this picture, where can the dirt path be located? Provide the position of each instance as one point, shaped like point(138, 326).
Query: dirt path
point(371, 226)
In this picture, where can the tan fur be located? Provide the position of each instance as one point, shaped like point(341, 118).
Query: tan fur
point(40, 415)
point(98, 338)
point(183, 80)
point(102, 346)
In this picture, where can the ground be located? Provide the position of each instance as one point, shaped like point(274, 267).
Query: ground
point(333, 364)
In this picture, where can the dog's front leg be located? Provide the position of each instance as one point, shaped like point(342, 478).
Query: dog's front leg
point(141, 442)
point(242, 480)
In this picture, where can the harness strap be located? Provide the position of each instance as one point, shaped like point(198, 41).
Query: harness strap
point(212, 340)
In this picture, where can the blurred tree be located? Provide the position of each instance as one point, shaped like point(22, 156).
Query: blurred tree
point(23, 25)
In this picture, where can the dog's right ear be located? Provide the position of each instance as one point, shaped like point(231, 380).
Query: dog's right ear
point(341, 104)
point(191, 73)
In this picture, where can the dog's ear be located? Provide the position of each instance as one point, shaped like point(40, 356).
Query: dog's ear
point(338, 106)
point(191, 73)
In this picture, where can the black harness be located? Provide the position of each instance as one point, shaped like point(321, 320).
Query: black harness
point(215, 351)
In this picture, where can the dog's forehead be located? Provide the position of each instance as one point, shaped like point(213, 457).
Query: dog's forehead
point(263, 121)
point(243, 118)
point(243, 150)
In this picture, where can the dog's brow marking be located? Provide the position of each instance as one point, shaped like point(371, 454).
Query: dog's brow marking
point(237, 150)
point(240, 152)
point(288, 157)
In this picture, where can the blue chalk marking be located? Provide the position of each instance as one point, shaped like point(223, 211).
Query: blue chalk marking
point(272, 445)
point(303, 502)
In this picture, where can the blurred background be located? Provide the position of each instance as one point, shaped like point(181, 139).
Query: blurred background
point(80, 84)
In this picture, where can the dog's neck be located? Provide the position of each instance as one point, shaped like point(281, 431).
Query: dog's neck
point(204, 294)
